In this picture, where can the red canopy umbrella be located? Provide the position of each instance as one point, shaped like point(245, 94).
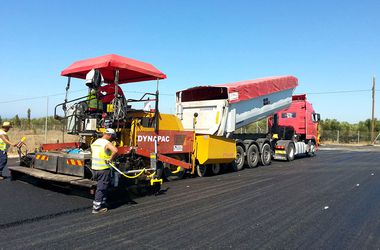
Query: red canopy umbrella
point(130, 70)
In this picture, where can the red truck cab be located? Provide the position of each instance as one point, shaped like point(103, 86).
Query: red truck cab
point(295, 129)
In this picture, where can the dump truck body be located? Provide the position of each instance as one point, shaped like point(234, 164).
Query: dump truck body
point(222, 109)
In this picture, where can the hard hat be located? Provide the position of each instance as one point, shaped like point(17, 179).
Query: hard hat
point(90, 77)
point(7, 124)
point(110, 131)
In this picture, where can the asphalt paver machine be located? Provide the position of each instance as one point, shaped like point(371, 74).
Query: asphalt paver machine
point(151, 145)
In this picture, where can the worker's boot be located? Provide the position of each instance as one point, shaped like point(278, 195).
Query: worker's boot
point(100, 210)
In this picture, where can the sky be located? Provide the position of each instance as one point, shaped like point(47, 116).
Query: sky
point(330, 46)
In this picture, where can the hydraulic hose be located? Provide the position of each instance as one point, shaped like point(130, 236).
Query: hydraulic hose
point(123, 174)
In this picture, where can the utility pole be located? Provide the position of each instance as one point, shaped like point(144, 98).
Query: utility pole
point(46, 119)
point(373, 110)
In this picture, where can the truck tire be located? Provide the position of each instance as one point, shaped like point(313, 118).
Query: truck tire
point(239, 161)
point(253, 156)
point(290, 152)
point(203, 170)
point(215, 169)
point(266, 155)
point(311, 152)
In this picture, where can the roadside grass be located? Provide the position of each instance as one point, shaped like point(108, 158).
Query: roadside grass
point(34, 138)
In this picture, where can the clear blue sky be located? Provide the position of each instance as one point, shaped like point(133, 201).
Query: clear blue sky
point(328, 45)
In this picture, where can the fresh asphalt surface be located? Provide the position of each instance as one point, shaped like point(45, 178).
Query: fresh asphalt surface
point(331, 201)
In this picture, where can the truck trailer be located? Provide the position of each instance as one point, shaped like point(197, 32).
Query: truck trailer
point(223, 109)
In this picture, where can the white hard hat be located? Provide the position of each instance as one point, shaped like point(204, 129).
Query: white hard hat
point(110, 131)
point(90, 76)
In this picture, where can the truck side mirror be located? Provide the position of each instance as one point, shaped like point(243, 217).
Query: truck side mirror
point(316, 117)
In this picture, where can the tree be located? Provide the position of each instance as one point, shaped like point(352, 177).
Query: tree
point(362, 127)
point(1, 120)
point(29, 121)
point(256, 127)
point(17, 121)
point(330, 124)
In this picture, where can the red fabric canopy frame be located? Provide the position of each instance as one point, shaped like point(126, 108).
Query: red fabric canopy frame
point(130, 70)
point(253, 88)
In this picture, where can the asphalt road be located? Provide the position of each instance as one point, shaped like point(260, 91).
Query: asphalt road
point(331, 201)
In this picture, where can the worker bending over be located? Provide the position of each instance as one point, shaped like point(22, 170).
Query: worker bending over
point(102, 152)
point(4, 146)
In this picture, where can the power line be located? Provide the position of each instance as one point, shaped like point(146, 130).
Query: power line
point(74, 91)
point(139, 92)
point(38, 97)
point(340, 92)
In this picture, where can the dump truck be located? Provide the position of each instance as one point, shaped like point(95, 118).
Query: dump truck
point(223, 109)
point(295, 130)
point(151, 145)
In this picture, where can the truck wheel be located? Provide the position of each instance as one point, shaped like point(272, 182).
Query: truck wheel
point(266, 155)
point(215, 169)
point(239, 161)
point(202, 170)
point(311, 152)
point(290, 152)
point(253, 156)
